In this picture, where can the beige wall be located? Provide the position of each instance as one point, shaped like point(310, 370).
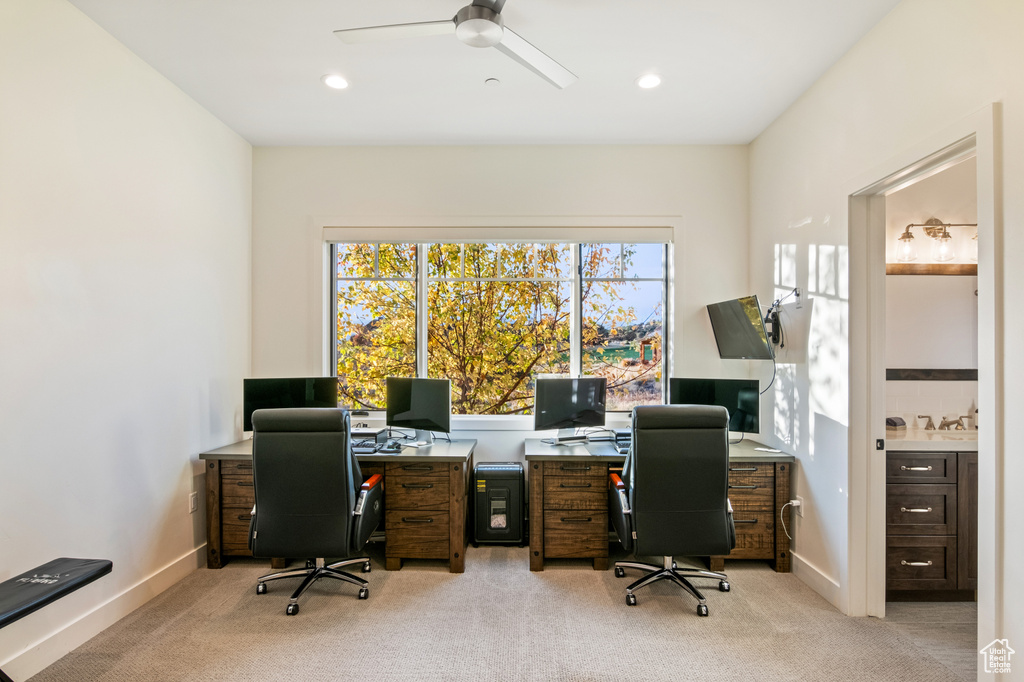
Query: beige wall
point(927, 66)
point(124, 317)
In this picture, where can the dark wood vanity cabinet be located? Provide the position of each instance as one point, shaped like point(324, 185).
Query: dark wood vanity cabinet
point(931, 525)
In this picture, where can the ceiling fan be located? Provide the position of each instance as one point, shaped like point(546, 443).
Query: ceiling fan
point(479, 25)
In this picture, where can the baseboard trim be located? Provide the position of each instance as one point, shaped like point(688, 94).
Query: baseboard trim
point(46, 651)
point(815, 579)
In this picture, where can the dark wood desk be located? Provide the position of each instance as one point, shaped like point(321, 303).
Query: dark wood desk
point(425, 502)
point(569, 502)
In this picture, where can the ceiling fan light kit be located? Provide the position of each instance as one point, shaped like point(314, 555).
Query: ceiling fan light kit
point(479, 24)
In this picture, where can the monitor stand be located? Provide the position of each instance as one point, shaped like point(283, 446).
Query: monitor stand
point(423, 439)
point(568, 437)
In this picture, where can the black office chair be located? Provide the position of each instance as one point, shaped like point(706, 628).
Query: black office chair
point(311, 502)
point(672, 497)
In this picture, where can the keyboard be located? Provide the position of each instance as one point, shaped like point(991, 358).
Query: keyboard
point(364, 448)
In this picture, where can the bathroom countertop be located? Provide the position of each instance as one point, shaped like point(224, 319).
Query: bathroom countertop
point(934, 440)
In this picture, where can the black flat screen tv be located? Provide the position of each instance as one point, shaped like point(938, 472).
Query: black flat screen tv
point(264, 394)
point(739, 329)
point(564, 403)
point(424, 405)
point(740, 396)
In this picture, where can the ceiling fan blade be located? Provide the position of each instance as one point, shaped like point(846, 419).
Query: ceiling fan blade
point(374, 33)
point(515, 46)
point(495, 5)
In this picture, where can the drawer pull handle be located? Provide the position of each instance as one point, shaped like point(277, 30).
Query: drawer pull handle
point(915, 563)
point(906, 468)
point(245, 517)
point(744, 520)
point(409, 519)
point(569, 519)
point(742, 468)
point(575, 485)
point(245, 484)
point(245, 466)
point(915, 510)
point(575, 468)
point(418, 467)
point(745, 487)
point(418, 485)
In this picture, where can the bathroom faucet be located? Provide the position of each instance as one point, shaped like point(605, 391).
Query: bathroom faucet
point(930, 426)
point(958, 424)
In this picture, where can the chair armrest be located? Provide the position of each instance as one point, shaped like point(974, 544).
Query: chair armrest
point(372, 481)
point(619, 512)
point(617, 482)
point(367, 511)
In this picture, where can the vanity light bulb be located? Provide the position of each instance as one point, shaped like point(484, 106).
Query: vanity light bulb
point(942, 250)
point(906, 252)
point(974, 249)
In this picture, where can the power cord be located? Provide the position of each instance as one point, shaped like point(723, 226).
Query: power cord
point(782, 516)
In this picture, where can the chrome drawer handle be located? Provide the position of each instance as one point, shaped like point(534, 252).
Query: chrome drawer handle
point(742, 468)
point(575, 485)
point(906, 468)
point(417, 485)
point(745, 487)
point(406, 519)
point(418, 467)
point(915, 511)
point(567, 519)
point(744, 520)
point(915, 563)
point(575, 468)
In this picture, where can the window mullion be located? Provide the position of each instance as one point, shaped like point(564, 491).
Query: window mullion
point(576, 308)
point(421, 310)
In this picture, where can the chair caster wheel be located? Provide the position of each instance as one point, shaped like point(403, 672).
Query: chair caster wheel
point(261, 588)
point(366, 567)
point(292, 609)
point(702, 609)
point(364, 593)
point(620, 572)
point(724, 586)
point(310, 563)
point(630, 600)
point(674, 565)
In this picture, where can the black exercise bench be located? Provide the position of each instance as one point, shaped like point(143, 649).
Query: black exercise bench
point(34, 589)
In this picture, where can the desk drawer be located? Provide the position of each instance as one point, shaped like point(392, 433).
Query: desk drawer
point(236, 467)
point(920, 509)
point(920, 563)
point(755, 530)
point(417, 492)
point(595, 470)
point(568, 492)
point(417, 469)
point(416, 534)
point(572, 534)
point(237, 490)
point(234, 523)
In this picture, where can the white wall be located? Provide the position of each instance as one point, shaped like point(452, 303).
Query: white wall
point(124, 317)
point(894, 90)
point(703, 188)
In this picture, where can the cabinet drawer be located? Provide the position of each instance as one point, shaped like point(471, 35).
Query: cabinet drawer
point(920, 563)
point(235, 530)
point(755, 530)
point(237, 490)
point(566, 492)
point(418, 469)
point(237, 467)
point(417, 492)
point(920, 509)
point(597, 471)
point(570, 534)
point(755, 469)
point(416, 534)
point(752, 490)
point(921, 467)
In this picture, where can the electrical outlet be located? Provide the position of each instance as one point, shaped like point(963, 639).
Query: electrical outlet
point(800, 507)
point(193, 503)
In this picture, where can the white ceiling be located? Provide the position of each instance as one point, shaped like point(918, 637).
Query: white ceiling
point(729, 67)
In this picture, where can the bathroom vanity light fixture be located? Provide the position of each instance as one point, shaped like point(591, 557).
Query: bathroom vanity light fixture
point(942, 248)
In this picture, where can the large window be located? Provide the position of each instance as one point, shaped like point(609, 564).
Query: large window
point(493, 316)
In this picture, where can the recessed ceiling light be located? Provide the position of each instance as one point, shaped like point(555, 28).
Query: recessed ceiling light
point(333, 80)
point(648, 81)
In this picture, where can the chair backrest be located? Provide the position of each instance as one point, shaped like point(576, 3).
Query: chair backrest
point(306, 481)
point(678, 473)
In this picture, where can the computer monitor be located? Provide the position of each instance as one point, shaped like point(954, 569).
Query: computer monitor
point(565, 404)
point(740, 396)
point(262, 394)
point(421, 404)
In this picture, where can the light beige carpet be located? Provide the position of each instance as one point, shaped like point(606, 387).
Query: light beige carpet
point(497, 621)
